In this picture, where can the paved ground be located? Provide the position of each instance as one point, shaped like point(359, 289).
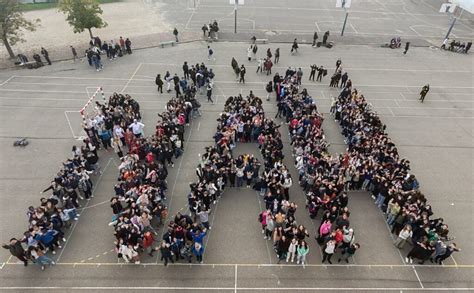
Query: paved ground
point(437, 137)
point(148, 22)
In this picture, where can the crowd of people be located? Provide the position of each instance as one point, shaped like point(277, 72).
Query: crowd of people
point(195, 79)
point(139, 205)
point(73, 184)
point(97, 48)
point(374, 164)
point(320, 174)
point(371, 163)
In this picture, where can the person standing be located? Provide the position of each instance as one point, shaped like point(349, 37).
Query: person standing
point(349, 252)
point(407, 46)
point(403, 236)
point(423, 92)
point(313, 72)
point(46, 55)
point(128, 46)
point(299, 76)
point(16, 250)
point(292, 250)
point(175, 33)
point(449, 250)
point(242, 74)
point(74, 54)
point(39, 257)
point(269, 89)
point(159, 83)
point(137, 128)
point(315, 38)
point(209, 93)
point(165, 251)
point(122, 43)
point(204, 30)
point(344, 78)
point(186, 70)
point(277, 55)
point(302, 251)
point(294, 47)
point(249, 53)
point(320, 73)
point(325, 37)
point(328, 250)
point(198, 251)
point(210, 54)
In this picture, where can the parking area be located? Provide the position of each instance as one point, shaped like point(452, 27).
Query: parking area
point(436, 136)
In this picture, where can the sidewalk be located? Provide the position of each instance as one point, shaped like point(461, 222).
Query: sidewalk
point(153, 40)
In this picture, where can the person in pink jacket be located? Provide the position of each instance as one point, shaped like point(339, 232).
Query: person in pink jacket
point(263, 219)
point(324, 230)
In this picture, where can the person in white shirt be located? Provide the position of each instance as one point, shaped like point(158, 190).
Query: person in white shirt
point(137, 128)
point(119, 133)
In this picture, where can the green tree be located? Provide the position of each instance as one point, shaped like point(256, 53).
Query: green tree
point(82, 14)
point(12, 24)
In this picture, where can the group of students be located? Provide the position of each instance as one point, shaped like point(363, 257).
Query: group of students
point(139, 204)
point(278, 220)
point(201, 76)
point(320, 174)
point(375, 165)
point(112, 50)
point(71, 185)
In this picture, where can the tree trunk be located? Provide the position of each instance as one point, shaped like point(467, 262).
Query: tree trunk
point(90, 33)
point(7, 45)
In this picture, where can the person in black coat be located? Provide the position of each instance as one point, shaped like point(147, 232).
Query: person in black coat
point(159, 83)
point(315, 38)
point(16, 250)
point(407, 46)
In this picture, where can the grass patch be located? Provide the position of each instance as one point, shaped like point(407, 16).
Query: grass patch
point(40, 6)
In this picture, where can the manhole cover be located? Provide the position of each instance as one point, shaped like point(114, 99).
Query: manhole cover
point(271, 33)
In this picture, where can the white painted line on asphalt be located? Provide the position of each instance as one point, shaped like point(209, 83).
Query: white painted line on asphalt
point(256, 82)
point(131, 77)
point(390, 109)
point(69, 122)
point(235, 279)
point(95, 205)
point(418, 277)
point(82, 215)
point(317, 26)
point(352, 26)
point(7, 262)
point(189, 19)
point(6, 81)
point(70, 77)
point(288, 289)
point(347, 69)
point(391, 266)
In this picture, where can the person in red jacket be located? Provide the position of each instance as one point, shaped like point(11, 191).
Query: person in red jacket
point(147, 243)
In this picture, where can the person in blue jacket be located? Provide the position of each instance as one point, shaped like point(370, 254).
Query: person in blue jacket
point(198, 251)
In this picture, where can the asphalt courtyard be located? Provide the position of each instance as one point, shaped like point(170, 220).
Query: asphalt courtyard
point(437, 137)
point(368, 19)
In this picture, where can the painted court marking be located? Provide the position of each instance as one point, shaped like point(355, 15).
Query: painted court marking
point(235, 288)
point(87, 203)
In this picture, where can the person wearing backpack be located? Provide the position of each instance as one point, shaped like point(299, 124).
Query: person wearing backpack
point(269, 89)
